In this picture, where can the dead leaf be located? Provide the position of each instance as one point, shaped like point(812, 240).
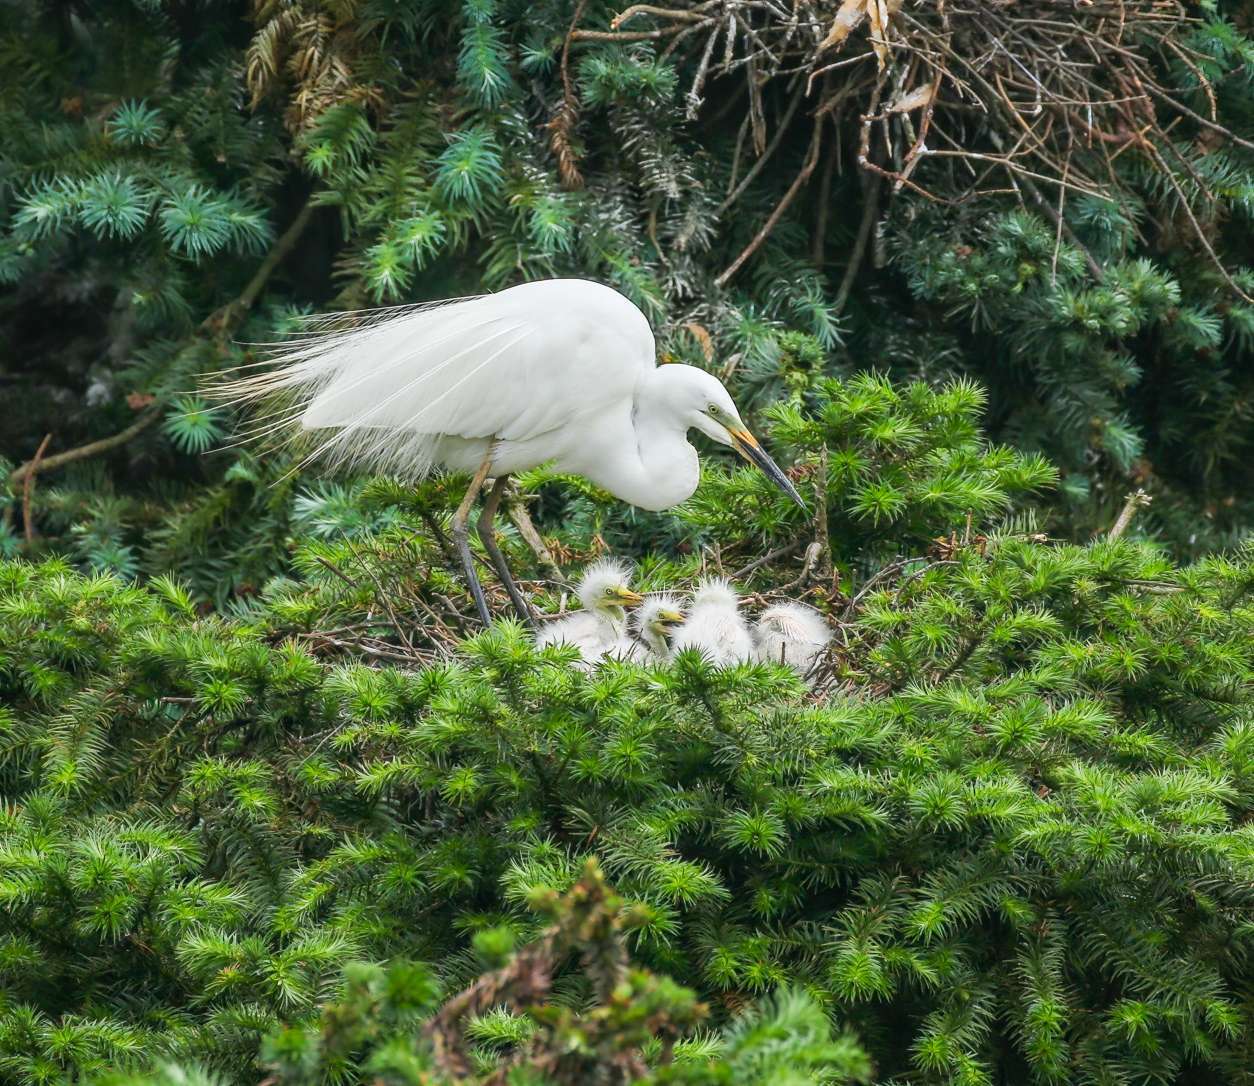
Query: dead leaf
point(703, 337)
point(877, 13)
point(916, 98)
point(137, 401)
point(850, 15)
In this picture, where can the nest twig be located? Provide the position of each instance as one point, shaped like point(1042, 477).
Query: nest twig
point(994, 95)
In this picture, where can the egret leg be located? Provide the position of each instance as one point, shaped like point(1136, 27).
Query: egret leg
point(488, 535)
point(461, 537)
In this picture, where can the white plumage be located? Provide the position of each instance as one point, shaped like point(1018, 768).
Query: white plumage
point(715, 625)
point(792, 634)
point(560, 370)
point(655, 623)
point(601, 627)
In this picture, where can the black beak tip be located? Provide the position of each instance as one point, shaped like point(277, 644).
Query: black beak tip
point(771, 470)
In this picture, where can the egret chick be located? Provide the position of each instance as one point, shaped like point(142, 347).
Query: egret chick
point(792, 634)
point(561, 370)
point(602, 624)
point(655, 624)
point(715, 625)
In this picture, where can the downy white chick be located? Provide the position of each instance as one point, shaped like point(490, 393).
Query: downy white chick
point(714, 624)
point(792, 634)
point(601, 626)
point(654, 626)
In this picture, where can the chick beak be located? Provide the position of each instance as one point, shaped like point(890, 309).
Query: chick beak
point(747, 445)
point(627, 597)
point(669, 619)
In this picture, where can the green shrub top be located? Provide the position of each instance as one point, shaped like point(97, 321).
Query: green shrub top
point(1012, 839)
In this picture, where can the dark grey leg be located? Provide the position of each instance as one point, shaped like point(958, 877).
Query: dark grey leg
point(488, 536)
point(461, 537)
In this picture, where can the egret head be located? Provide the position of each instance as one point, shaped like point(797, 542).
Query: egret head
point(716, 592)
point(658, 618)
point(604, 587)
point(705, 404)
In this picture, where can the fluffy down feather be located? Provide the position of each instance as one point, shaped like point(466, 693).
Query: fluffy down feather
point(601, 627)
point(792, 634)
point(715, 625)
point(654, 625)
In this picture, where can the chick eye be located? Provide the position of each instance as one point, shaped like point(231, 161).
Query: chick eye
point(713, 410)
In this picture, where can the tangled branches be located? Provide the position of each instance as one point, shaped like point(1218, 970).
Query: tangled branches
point(1108, 99)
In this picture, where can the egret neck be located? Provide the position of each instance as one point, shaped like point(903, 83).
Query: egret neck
point(651, 464)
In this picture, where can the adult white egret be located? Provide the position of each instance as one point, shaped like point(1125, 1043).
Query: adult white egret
point(560, 370)
point(602, 624)
point(715, 625)
point(655, 623)
point(792, 634)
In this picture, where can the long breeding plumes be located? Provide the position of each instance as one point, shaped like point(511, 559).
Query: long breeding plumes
point(378, 389)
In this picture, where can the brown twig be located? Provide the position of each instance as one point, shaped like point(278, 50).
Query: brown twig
point(629, 35)
point(780, 130)
point(870, 208)
point(1131, 504)
point(278, 252)
point(799, 181)
point(92, 448)
point(766, 559)
point(517, 510)
point(28, 488)
point(563, 122)
point(818, 245)
point(821, 536)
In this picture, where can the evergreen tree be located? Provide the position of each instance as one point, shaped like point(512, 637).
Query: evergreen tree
point(176, 186)
point(1004, 837)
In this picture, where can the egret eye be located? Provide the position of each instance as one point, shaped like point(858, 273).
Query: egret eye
point(713, 411)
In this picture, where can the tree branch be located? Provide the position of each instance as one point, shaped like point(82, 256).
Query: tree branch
point(1130, 506)
point(93, 448)
point(220, 322)
point(28, 486)
point(870, 208)
point(811, 160)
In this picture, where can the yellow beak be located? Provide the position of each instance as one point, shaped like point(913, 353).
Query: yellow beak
point(669, 618)
point(627, 597)
point(747, 445)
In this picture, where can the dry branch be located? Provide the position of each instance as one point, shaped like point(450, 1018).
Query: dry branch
point(1033, 92)
point(219, 323)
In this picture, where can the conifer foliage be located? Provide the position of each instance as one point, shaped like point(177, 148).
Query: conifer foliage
point(832, 191)
point(1010, 841)
point(274, 809)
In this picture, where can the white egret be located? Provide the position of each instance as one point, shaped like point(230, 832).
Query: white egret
point(792, 634)
point(560, 370)
point(715, 625)
point(602, 624)
point(655, 623)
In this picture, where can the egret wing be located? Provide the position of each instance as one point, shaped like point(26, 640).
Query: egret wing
point(380, 392)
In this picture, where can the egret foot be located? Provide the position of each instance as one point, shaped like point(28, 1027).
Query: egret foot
point(487, 535)
point(461, 537)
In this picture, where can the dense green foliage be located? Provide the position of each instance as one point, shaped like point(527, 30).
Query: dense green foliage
point(272, 807)
point(1014, 841)
point(380, 152)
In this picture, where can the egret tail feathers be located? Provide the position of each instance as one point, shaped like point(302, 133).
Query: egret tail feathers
point(376, 389)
